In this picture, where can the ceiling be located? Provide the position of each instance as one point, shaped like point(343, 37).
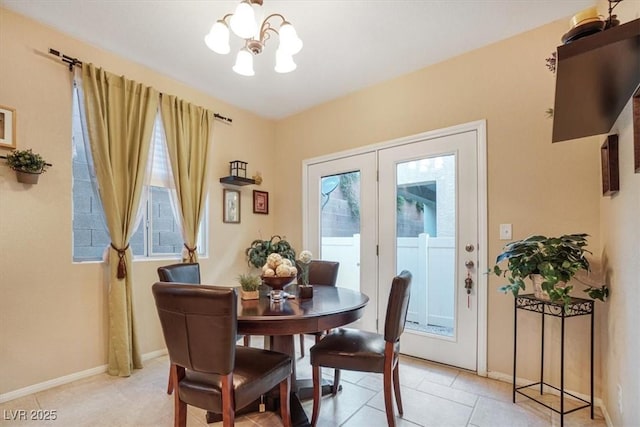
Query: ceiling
point(348, 45)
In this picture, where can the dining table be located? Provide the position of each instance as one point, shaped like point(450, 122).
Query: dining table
point(330, 307)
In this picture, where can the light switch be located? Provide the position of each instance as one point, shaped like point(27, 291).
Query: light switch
point(505, 231)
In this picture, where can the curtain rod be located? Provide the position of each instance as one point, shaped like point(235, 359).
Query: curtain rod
point(75, 62)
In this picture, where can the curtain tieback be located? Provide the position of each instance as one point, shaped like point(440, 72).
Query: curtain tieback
point(122, 265)
point(192, 252)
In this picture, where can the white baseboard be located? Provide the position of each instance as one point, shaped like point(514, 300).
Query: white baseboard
point(25, 391)
point(605, 414)
point(508, 378)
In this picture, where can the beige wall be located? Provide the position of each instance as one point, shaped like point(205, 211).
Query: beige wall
point(50, 305)
point(53, 312)
point(537, 186)
point(620, 231)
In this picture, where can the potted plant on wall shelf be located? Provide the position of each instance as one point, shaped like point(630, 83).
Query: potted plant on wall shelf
point(550, 263)
point(249, 284)
point(27, 164)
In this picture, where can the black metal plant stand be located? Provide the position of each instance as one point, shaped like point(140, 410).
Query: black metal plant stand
point(577, 307)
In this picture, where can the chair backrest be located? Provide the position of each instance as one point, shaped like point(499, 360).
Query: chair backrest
point(199, 325)
point(397, 306)
point(324, 273)
point(182, 272)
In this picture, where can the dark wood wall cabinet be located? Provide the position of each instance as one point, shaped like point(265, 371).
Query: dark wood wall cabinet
point(596, 77)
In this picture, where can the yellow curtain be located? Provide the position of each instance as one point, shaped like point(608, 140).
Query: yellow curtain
point(120, 115)
point(188, 132)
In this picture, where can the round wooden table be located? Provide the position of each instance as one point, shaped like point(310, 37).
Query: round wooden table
point(329, 308)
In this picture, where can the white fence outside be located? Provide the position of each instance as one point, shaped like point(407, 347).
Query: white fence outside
point(431, 260)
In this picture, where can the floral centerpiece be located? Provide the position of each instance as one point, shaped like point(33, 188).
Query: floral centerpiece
point(304, 260)
point(278, 271)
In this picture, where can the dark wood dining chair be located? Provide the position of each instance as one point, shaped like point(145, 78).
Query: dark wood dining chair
point(322, 273)
point(179, 273)
point(209, 371)
point(357, 350)
point(183, 272)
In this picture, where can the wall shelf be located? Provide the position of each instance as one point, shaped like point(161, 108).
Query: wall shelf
point(237, 180)
point(596, 76)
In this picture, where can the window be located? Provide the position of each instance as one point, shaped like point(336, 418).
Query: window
point(158, 234)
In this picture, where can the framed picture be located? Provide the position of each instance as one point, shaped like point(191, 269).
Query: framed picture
point(7, 127)
point(260, 202)
point(609, 158)
point(636, 130)
point(231, 206)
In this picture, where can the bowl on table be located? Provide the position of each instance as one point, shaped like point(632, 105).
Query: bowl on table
point(277, 282)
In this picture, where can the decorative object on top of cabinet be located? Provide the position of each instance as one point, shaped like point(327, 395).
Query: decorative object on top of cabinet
point(231, 206)
point(237, 174)
point(7, 127)
point(595, 78)
point(610, 173)
point(583, 24)
point(636, 130)
point(257, 178)
point(260, 202)
point(27, 164)
point(550, 261)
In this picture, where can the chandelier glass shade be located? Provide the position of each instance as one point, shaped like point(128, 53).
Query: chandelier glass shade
point(243, 23)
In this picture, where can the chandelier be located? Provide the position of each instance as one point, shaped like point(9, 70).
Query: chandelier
point(244, 24)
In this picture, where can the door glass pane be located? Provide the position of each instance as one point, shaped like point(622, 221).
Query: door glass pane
point(425, 230)
point(340, 225)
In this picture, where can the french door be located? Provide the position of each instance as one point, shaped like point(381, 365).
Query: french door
point(409, 204)
point(341, 218)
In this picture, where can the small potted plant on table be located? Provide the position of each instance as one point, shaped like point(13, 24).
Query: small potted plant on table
point(249, 284)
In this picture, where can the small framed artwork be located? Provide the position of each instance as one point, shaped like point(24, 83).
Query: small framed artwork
point(636, 130)
point(260, 202)
point(231, 206)
point(7, 127)
point(609, 158)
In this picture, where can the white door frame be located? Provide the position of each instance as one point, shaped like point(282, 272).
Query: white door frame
point(480, 127)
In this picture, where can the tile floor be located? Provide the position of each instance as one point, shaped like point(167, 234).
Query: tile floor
point(433, 395)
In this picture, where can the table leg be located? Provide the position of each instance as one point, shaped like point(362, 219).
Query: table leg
point(284, 344)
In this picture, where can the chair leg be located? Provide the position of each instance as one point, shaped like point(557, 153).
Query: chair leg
point(396, 387)
point(317, 378)
point(285, 406)
point(302, 345)
point(228, 402)
point(170, 383)
point(388, 380)
point(247, 341)
point(179, 407)
point(179, 412)
point(336, 381)
point(388, 400)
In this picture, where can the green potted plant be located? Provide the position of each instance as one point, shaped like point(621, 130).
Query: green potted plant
point(249, 284)
point(259, 250)
point(550, 262)
point(27, 164)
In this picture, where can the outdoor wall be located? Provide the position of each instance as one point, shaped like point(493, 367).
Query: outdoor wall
point(620, 230)
point(50, 306)
point(537, 186)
